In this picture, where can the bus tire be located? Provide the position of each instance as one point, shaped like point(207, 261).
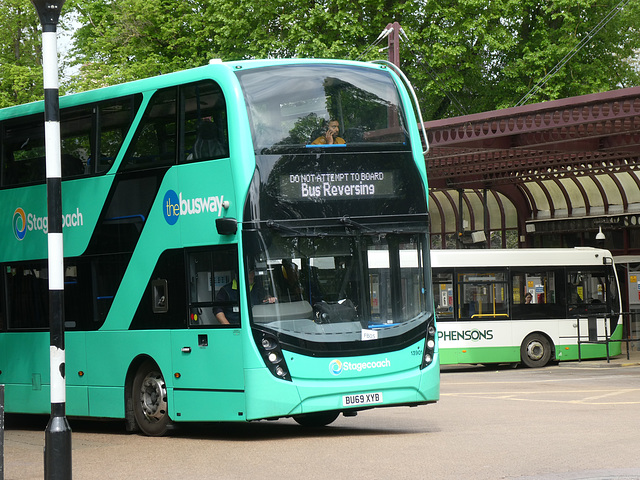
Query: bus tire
point(316, 419)
point(535, 350)
point(149, 400)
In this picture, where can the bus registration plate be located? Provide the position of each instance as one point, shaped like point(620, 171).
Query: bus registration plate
point(361, 399)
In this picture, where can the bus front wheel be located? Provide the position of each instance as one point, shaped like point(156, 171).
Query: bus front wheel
point(149, 398)
point(535, 350)
point(317, 419)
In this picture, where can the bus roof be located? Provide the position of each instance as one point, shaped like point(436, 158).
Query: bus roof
point(519, 257)
point(175, 78)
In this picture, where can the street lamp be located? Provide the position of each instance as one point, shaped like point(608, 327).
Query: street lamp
point(57, 449)
point(48, 11)
point(600, 238)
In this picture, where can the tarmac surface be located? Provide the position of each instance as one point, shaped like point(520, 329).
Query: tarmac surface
point(625, 359)
point(490, 423)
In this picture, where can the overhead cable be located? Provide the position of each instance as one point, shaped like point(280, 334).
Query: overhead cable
point(384, 34)
point(434, 76)
point(575, 50)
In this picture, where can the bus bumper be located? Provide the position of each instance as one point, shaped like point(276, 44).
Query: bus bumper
point(273, 398)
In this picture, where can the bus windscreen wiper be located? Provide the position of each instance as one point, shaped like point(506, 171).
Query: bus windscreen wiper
point(351, 223)
point(283, 228)
point(405, 224)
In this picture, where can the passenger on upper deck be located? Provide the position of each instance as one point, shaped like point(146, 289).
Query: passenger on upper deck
point(207, 144)
point(330, 137)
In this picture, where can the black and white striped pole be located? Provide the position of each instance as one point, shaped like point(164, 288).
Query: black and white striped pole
point(57, 446)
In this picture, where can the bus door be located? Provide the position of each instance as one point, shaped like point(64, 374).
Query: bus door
point(483, 324)
point(208, 355)
point(588, 302)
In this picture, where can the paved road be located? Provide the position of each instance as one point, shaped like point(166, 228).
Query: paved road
point(561, 422)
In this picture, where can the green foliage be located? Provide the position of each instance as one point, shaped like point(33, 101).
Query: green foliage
point(20, 84)
point(304, 130)
point(489, 54)
point(20, 53)
point(463, 56)
point(123, 40)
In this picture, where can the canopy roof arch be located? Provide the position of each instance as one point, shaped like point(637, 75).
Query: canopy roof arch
point(568, 159)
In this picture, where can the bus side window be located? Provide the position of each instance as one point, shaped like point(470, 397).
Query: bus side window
point(481, 295)
point(184, 124)
point(442, 284)
point(154, 144)
point(587, 291)
point(87, 132)
point(90, 284)
point(75, 133)
point(113, 120)
point(23, 152)
point(202, 289)
point(210, 272)
point(205, 128)
point(537, 293)
point(3, 301)
point(28, 296)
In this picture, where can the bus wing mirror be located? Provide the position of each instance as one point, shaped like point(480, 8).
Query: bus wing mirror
point(226, 226)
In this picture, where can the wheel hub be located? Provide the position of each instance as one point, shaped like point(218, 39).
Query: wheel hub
point(153, 397)
point(535, 350)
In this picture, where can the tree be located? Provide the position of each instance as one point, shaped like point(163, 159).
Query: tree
point(489, 55)
point(463, 56)
point(20, 54)
point(299, 28)
point(21, 79)
point(126, 39)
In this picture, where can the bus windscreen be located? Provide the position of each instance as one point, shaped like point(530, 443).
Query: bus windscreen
point(296, 106)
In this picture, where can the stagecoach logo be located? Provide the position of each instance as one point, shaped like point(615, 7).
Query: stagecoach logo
point(19, 223)
point(23, 222)
point(173, 206)
point(336, 367)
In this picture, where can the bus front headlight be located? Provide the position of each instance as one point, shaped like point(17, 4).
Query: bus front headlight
point(429, 344)
point(271, 353)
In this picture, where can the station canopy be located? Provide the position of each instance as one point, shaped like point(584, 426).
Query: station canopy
point(570, 159)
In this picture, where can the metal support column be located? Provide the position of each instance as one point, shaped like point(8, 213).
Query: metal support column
point(487, 230)
point(57, 449)
point(1, 432)
point(394, 43)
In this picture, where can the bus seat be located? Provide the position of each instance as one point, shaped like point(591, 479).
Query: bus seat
point(354, 134)
point(10, 174)
point(471, 309)
point(34, 170)
point(71, 166)
point(207, 144)
point(318, 132)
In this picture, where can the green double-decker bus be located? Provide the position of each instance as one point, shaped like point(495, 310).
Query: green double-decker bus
point(242, 241)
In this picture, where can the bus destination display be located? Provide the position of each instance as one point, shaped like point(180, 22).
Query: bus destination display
point(337, 186)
